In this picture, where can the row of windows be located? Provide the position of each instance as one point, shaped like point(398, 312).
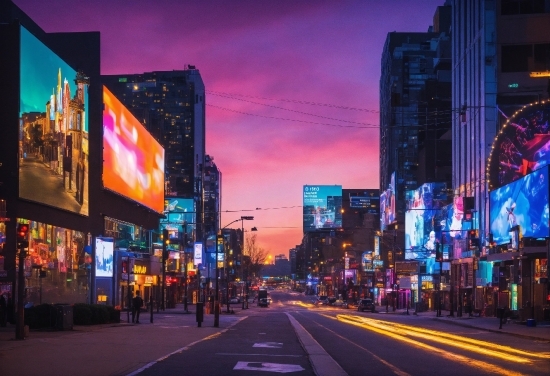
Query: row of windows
point(516, 58)
point(511, 7)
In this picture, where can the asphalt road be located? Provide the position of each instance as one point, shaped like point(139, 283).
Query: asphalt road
point(266, 342)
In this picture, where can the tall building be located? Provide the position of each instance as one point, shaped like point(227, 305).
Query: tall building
point(415, 108)
point(501, 64)
point(171, 105)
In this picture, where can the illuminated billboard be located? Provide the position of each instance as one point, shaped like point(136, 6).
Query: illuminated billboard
point(322, 207)
point(179, 213)
point(521, 146)
point(387, 204)
point(523, 203)
point(425, 219)
point(53, 129)
point(104, 248)
point(133, 161)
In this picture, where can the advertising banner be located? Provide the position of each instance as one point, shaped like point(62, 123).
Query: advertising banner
point(197, 255)
point(387, 204)
point(322, 207)
point(104, 248)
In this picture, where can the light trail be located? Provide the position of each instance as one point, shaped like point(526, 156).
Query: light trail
point(486, 367)
point(482, 347)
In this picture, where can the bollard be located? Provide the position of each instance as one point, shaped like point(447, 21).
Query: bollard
point(200, 313)
point(151, 306)
point(500, 313)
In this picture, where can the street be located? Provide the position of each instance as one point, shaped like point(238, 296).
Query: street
point(290, 336)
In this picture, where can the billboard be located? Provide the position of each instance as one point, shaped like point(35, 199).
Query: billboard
point(104, 248)
point(522, 203)
point(53, 129)
point(133, 161)
point(368, 200)
point(322, 207)
point(521, 146)
point(387, 204)
point(179, 213)
point(425, 219)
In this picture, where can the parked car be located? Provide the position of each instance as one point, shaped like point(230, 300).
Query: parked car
point(234, 300)
point(366, 305)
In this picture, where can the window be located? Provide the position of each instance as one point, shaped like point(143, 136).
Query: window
point(541, 57)
point(511, 7)
point(515, 58)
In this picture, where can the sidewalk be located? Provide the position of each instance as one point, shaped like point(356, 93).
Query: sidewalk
point(109, 349)
point(540, 332)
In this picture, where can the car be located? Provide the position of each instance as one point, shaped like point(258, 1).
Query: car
point(234, 300)
point(263, 302)
point(366, 305)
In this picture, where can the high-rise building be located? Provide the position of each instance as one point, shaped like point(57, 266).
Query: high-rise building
point(415, 108)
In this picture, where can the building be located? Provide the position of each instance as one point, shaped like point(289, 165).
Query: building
point(60, 127)
point(501, 59)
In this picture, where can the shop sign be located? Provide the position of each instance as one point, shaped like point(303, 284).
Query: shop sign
point(148, 279)
point(406, 267)
point(140, 269)
point(327, 278)
point(426, 278)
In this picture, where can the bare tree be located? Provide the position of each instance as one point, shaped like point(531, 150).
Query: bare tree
point(256, 254)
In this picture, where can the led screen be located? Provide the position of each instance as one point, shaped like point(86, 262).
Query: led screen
point(425, 219)
point(104, 257)
point(53, 129)
point(322, 207)
point(133, 161)
point(523, 203)
point(522, 146)
point(370, 203)
point(179, 213)
point(387, 205)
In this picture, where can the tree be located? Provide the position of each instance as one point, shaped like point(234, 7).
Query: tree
point(256, 255)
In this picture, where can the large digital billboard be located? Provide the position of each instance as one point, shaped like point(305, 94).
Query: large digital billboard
point(425, 219)
point(523, 203)
point(53, 129)
point(387, 204)
point(133, 161)
point(322, 207)
point(521, 146)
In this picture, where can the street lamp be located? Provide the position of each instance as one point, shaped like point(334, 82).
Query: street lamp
point(216, 297)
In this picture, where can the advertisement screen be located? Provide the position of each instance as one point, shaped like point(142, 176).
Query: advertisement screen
point(53, 129)
point(522, 146)
point(133, 161)
point(179, 216)
point(104, 248)
point(523, 203)
point(425, 219)
point(387, 205)
point(322, 207)
point(370, 204)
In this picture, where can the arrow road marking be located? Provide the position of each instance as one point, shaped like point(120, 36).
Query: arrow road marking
point(268, 367)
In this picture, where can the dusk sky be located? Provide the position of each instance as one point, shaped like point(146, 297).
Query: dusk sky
point(292, 87)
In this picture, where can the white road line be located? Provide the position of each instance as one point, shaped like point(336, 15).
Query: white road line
point(150, 364)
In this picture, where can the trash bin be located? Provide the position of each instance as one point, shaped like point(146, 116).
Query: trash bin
point(531, 322)
point(63, 317)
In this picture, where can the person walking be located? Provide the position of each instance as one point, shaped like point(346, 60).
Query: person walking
point(137, 303)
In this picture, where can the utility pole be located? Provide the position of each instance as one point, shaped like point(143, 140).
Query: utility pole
point(22, 245)
point(165, 241)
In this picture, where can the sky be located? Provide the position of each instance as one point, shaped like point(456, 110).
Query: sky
point(292, 87)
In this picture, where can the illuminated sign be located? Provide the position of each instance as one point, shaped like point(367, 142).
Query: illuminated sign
point(523, 203)
point(133, 161)
point(539, 74)
point(140, 269)
point(387, 204)
point(197, 255)
point(322, 207)
point(104, 248)
point(53, 128)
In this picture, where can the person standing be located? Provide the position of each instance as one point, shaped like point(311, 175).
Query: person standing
point(137, 303)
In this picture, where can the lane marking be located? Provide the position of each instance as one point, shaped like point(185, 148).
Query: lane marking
point(187, 347)
point(268, 367)
point(273, 345)
point(274, 355)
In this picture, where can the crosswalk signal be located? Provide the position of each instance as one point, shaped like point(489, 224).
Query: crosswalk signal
point(22, 235)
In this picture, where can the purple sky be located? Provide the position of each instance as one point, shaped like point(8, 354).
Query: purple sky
point(292, 87)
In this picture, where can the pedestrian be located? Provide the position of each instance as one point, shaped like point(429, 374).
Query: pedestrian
point(137, 303)
point(3, 310)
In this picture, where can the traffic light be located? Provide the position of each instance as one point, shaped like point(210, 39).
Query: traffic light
point(165, 242)
point(22, 235)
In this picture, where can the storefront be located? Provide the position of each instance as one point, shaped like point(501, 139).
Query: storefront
point(137, 272)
